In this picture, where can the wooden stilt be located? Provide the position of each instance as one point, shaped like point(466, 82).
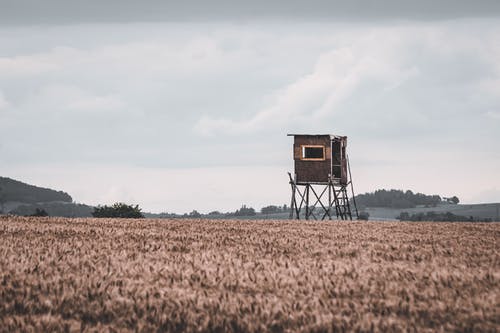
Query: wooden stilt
point(329, 200)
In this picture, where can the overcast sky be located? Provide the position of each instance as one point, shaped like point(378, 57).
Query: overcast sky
point(187, 106)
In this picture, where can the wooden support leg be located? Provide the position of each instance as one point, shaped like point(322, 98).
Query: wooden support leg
point(329, 201)
point(307, 201)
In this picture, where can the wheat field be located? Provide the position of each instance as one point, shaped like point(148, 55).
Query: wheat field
point(59, 274)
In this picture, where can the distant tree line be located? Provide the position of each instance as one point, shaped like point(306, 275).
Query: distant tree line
point(65, 209)
point(243, 211)
point(440, 217)
point(400, 199)
point(272, 209)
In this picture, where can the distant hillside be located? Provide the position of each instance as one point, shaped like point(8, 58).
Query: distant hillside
point(16, 191)
point(19, 198)
point(476, 211)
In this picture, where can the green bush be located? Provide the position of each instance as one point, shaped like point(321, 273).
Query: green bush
point(363, 216)
point(118, 209)
point(40, 213)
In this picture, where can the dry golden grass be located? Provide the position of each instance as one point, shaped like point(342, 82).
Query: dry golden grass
point(61, 274)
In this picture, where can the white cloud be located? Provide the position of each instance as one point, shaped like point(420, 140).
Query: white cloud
point(3, 102)
point(369, 68)
point(493, 115)
point(101, 103)
point(67, 98)
point(195, 55)
point(26, 65)
point(364, 70)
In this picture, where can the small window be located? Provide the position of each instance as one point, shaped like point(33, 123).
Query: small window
point(315, 153)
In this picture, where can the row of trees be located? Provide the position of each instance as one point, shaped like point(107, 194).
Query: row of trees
point(379, 198)
point(400, 199)
point(274, 209)
point(243, 211)
point(55, 209)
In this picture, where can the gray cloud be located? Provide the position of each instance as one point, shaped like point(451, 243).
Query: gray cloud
point(92, 11)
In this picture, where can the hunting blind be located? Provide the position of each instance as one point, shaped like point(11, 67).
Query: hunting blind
point(321, 172)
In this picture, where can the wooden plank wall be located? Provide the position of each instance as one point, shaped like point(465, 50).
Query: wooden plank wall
point(312, 171)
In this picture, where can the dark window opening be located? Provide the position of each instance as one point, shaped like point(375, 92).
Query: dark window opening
point(316, 152)
point(336, 159)
point(336, 171)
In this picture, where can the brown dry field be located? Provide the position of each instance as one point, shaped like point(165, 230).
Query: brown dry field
point(60, 274)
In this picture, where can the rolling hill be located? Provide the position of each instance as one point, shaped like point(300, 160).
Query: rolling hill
point(20, 198)
point(15, 191)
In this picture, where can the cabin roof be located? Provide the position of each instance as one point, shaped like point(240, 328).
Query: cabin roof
point(332, 136)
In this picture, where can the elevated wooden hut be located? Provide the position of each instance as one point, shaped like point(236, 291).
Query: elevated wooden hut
point(320, 159)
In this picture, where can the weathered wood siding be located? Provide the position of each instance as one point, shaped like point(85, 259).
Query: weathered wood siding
point(312, 171)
